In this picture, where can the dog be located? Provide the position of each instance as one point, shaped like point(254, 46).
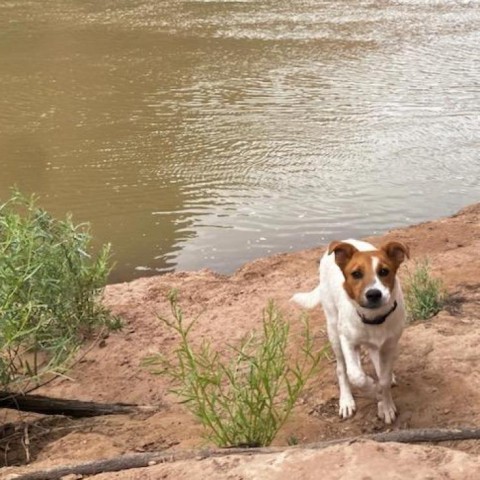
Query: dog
point(363, 303)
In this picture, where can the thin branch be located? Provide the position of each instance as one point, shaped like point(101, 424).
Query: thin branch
point(61, 406)
point(139, 460)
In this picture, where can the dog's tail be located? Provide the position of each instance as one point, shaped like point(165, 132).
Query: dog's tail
point(308, 300)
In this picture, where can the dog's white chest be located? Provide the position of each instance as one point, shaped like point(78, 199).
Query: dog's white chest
point(357, 333)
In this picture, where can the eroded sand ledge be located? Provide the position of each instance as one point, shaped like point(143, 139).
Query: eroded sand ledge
point(437, 370)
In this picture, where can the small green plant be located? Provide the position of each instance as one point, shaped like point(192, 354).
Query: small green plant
point(49, 290)
point(425, 295)
point(292, 440)
point(243, 401)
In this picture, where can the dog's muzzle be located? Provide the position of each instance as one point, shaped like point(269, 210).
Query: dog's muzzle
point(378, 320)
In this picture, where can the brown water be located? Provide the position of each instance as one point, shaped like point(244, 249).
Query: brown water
point(207, 133)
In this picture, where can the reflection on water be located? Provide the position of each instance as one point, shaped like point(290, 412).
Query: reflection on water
point(206, 133)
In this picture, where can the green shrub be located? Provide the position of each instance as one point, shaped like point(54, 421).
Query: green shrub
point(424, 294)
point(49, 290)
point(243, 401)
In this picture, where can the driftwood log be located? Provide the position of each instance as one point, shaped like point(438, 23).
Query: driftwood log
point(61, 406)
point(139, 460)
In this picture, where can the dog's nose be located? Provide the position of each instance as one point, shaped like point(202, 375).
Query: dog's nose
point(373, 295)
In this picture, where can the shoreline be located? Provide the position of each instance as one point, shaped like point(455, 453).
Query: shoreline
point(148, 273)
point(389, 233)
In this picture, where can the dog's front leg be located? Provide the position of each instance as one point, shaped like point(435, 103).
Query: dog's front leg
point(347, 403)
point(387, 410)
point(375, 357)
point(356, 376)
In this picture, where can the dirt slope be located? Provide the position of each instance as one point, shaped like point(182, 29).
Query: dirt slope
point(437, 370)
point(359, 461)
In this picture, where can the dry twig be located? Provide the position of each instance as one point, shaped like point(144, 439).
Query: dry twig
point(62, 406)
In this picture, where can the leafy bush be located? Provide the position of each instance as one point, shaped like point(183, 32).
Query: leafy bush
point(246, 400)
point(49, 290)
point(424, 294)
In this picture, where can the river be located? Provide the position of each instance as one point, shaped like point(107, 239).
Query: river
point(206, 133)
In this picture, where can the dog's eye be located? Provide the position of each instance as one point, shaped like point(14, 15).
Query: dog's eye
point(357, 274)
point(383, 272)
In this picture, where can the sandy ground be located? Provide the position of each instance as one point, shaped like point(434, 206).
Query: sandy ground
point(437, 371)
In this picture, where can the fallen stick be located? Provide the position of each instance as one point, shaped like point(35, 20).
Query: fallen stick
point(139, 460)
point(62, 406)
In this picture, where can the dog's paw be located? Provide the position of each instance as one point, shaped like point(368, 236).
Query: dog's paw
point(347, 407)
point(387, 411)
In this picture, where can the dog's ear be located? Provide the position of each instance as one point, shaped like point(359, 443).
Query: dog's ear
point(396, 252)
point(343, 253)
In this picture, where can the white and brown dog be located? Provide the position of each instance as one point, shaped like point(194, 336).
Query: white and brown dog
point(363, 303)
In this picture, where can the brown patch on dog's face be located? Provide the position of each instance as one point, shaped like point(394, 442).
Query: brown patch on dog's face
point(386, 270)
point(356, 268)
point(358, 275)
point(369, 276)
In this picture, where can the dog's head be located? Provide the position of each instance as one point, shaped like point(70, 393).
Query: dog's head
point(369, 276)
